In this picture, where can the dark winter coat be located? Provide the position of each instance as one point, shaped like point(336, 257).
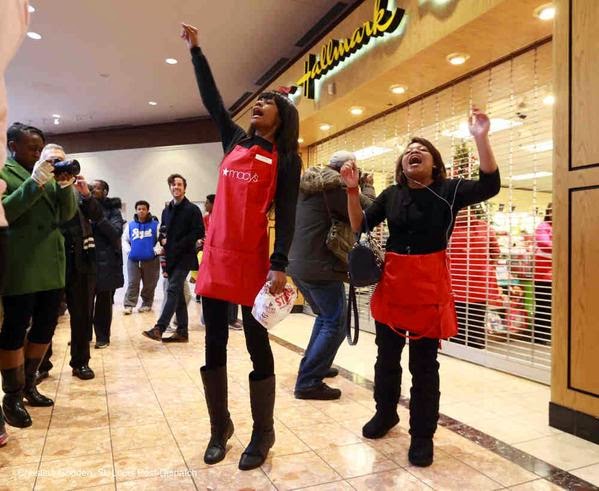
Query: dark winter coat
point(109, 253)
point(184, 226)
point(309, 258)
point(79, 238)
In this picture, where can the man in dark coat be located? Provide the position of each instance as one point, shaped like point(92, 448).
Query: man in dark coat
point(319, 274)
point(184, 227)
point(109, 260)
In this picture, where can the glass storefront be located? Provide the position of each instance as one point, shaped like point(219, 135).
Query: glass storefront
point(501, 250)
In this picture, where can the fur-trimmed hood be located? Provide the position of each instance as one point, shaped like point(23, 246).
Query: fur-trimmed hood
point(318, 179)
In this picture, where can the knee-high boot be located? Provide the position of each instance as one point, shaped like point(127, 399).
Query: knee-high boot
point(3, 433)
point(262, 398)
point(13, 383)
point(34, 353)
point(221, 426)
point(387, 387)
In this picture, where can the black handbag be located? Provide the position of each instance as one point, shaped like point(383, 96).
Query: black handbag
point(365, 268)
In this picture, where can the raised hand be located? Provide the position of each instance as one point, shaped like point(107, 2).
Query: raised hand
point(82, 187)
point(478, 123)
point(350, 174)
point(190, 35)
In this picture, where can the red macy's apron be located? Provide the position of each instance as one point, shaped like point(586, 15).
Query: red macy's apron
point(415, 295)
point(235, 262)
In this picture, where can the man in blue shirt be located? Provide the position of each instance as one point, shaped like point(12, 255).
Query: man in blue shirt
point(141, 242)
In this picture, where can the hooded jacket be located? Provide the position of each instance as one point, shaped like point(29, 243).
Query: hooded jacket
point(140, 239)
point(109, 254)
point(309, 258)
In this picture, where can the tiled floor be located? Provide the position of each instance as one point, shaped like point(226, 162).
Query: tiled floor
point(142, 424)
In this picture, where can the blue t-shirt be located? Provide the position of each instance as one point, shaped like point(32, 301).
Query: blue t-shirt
point(143, 238)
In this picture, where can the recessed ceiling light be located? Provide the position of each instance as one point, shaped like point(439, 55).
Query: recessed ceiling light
point(549, 100)
point(300, 140)
point(357, 110)
point(457, 58)
point(153, 103)
point(31, 9)
point(545, 11)
point(325, 127)
point(34, 35)
point(56, 121)
point(171, 61)
point(56, 115)
point(398, 89)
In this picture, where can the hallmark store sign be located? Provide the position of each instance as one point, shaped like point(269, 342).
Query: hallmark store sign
point(340, 51)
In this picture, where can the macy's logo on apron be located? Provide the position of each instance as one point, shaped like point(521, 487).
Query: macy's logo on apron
point(241, 176)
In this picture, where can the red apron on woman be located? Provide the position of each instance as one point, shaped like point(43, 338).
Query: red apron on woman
point(236, 261)
point(415, 295)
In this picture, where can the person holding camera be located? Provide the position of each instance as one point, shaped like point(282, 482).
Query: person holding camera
point(414, 297)
point(37, 201)
point(143, 264)
point(260, 170)
point(109, 260)
point(184, 227)
point(319, 273)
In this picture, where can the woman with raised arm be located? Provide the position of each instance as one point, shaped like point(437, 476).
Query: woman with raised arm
point(414, 298)
point(261, 167)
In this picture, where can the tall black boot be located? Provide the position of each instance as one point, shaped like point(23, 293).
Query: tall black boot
point(13, 382)
point(3, 434)
point(262, 398)
point(387, 388)
point(221, 426)
point(34, 398)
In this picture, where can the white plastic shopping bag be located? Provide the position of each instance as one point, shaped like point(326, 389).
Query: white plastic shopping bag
point(270, 309)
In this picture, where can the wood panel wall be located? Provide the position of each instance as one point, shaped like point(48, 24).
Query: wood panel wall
point(575, 373)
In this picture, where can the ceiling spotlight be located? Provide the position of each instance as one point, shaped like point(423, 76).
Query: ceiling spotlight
point(34, 35)
point(549, 100)
point(545, 12)
point(56, 115)
point(153, 103)
point(325, 127)
point(56, 121)
point(300, 140)
point(357, 110)
point(171, 61)
point(398, 89)
point(458, 58)
point(31, 9)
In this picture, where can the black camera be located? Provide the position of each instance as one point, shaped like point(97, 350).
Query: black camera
point(70, 167)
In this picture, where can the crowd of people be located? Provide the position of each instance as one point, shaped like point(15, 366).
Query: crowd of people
point(65, 235)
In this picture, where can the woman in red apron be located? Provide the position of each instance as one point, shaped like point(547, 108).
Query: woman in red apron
point(414, 296)
point(260, 168)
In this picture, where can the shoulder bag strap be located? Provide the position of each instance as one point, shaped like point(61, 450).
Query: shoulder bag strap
point(352, 307)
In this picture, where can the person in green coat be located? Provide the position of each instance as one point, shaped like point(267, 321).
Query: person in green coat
point(36, 203)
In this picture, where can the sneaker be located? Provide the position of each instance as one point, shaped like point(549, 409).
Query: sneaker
point(101, 345)
point(176, 338)
point(127, 310)
point(144, 308)
point(155, 333)
point(320, 392)
point(236, 326)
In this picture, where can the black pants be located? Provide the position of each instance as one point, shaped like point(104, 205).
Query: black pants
point(103, 315)
point(471, 324)
point(424, 367)
point(80, 301)
point(216, 319)
point(175, 302)
point(3, 261)
point(40, 308)
point(542, 322)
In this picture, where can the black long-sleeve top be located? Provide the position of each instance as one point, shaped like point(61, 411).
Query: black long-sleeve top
point(289, 166)
point(420, 222)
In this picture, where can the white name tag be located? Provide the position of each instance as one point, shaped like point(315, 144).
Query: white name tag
point(264, 159)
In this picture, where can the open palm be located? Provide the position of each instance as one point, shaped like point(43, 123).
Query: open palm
point(479, 123)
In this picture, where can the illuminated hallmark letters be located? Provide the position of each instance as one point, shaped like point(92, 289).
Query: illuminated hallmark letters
point(336, 51)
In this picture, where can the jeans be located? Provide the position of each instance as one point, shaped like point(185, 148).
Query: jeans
point(175, 302)
point(148, 273)
point(328, 301)
point(216, 316)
